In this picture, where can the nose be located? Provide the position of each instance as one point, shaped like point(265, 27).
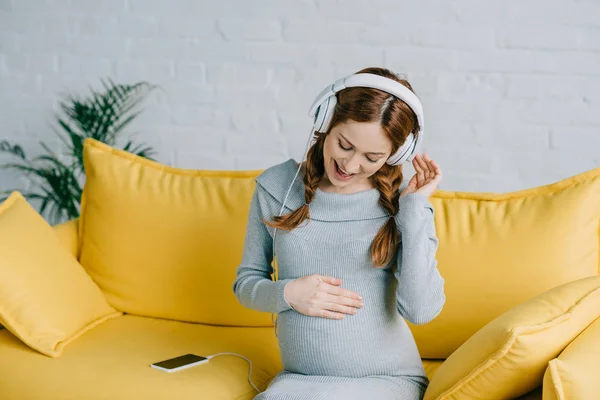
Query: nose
point(352, 166)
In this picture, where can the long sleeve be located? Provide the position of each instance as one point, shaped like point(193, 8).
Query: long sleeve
point(420, 293)
point(253, 286)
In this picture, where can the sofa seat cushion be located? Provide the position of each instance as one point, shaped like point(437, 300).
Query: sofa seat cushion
point(113, 361)
point(431, 366)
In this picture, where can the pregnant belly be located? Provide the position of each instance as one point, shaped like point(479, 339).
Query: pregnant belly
point(359, 345)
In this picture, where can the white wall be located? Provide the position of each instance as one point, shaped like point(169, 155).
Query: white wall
point(511, 89)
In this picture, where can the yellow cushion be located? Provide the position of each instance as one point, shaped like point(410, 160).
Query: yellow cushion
point(574, 374)
point(112, 361)
point(431, 367)
point(46, 298)
point(535, 394)
point(165, 242)
point(67, 235)
point(507, 358)
point(498, 250)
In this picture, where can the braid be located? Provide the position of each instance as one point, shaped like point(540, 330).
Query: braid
point(387, 181)
point(314, 169)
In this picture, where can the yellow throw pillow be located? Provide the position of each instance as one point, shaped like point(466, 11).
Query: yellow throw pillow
point(507, 358)
point(498, 250)
point(574, 374)
point(165, 242)
point(46, 298)
point(67, 235)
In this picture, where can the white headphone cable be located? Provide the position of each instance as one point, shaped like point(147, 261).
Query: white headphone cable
point(241, 356)
point(289, 190)
point(276, 271)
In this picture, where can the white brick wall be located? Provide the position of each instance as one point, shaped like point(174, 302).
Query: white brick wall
point(510, 89)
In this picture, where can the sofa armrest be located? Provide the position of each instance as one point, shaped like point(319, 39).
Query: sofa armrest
point(573, 375)
point(68, 234)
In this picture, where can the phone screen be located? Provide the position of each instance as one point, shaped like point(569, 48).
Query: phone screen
point(179, 361)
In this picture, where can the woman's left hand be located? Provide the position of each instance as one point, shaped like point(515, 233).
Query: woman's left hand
point(427, 177)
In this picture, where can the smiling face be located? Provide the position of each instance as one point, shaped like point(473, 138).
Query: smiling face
point(352, 152)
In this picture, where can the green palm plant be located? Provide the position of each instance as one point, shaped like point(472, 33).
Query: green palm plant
point(58, 181)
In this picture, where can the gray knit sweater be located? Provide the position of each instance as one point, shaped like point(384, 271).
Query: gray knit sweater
point(371, 348)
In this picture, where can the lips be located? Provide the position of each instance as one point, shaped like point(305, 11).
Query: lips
point(340, 174)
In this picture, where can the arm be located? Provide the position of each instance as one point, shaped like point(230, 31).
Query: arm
point(253, 286)
point(420, 292)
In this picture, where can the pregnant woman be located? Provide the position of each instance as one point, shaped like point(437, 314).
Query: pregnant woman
point(355, 247)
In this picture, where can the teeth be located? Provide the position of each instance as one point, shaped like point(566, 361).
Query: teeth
point(341, 170)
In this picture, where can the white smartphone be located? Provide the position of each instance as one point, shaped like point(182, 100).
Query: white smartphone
point(179, 363)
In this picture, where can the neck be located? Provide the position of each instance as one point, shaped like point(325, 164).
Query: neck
point(326, 186)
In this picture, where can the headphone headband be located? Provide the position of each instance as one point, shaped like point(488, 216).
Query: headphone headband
point(323, 107)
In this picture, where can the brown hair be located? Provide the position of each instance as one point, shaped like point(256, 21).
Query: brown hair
point(397, 119)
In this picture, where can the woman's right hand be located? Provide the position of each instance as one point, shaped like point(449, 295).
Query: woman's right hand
point(320, 296)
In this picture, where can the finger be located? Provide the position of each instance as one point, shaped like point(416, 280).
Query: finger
point(329, 314)
point(330, 280)
point(338, 291)
point(429, 170)
point(417, 176)
point(411, 187)
point(431, 165)
point(425, 168)
point(417, 165)
point(412, 182)
point(419, 173)
point(422, 163)
point(345, 301)
point(340, 308)
point(431, 162)
point(436, 167)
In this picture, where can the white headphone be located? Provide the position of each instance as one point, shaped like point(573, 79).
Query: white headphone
point(323, 109)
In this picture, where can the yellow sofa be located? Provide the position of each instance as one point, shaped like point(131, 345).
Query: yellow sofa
point(162, 244)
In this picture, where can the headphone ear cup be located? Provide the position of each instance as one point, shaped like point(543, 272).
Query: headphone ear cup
point(406, 152)
point(324, 114)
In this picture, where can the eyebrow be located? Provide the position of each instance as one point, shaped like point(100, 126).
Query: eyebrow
point(350, 143)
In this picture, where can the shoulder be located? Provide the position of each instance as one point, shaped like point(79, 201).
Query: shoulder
point(276, 181)
point(279, 173)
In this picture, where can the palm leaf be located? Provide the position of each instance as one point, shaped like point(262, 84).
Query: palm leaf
point(14, 150)
point(61, 194)
point(122, 124)
point(59, 197)
point(140, 150)
point(5, 193)
point(27, 169)
point(103, 116)
point(60, 188)
point(73, 141)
